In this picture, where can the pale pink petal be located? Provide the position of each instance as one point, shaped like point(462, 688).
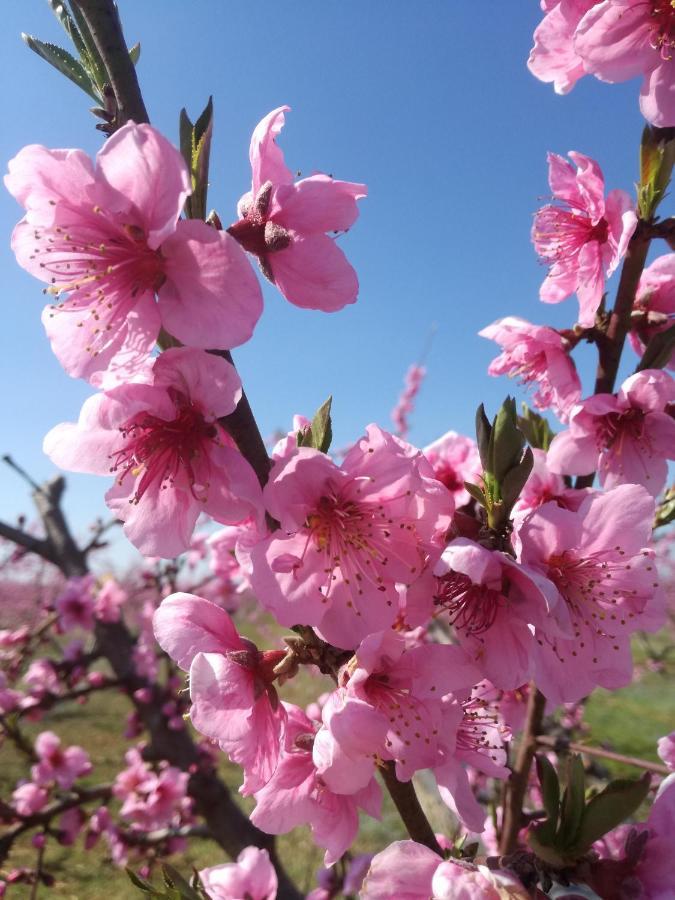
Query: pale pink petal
point(235, 496)
point(657, 94)
point(211, 298)
point(314, 273)
point(404, 870)
point(207, 379)
point(144, 167)
point(572, 454)
point(614, 40)
point(560, 282)
point(591, 184)
point(318, 204)
point(185, 625)
point(622, 221)
point(591, 282)
point(267, 160)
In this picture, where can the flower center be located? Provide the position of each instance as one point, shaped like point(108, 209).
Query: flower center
point(472, 607)
point(662, 37)
point(448, 476)
point(256, 233)
point(161, 450)
point(616, 427)
point(561, 233)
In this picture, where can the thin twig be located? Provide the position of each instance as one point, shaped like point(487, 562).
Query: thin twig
point(560, 745)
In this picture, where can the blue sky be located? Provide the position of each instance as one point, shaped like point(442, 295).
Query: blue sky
point(430, 104)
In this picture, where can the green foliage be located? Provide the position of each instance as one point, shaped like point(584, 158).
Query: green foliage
point(665, 511)
point(320, 433)
point(535, 428)
point(195, 145)
point(656, 164)
point(572, 824)
point(177, 888)
point(507, 462)
point(86, 70)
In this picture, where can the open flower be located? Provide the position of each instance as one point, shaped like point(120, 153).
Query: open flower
point(539, 357)
point(583, 236)
point(455, 459)
point(170, 457)
point(554, 57)
point(349, 535)
point(56, 765)
point(621, 39)
point(297, 794)
point(251, 876)
point(607, 581)
point(233, 697)
point(627, 437)
point(284, 224)
point(110, 238)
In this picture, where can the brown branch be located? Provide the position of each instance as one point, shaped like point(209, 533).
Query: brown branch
point(406, 802)
point(103, 21)
point(39, 546)
point(516, 787)
point(561, 745)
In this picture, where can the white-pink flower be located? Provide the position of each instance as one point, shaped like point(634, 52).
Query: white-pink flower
point(251, 876)
point(627, 437)
point(162, 442)
point(599, 561)
point(284, 224)
point(297, 794)
point(621, 39)
point(233, 697)
point(583, 236)
point(538, 356)
point(110, 238)
point(349, 535)
point(56, 765)
point(554, 57)
point(455, 459)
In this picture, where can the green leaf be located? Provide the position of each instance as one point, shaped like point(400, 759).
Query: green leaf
point(65, 63)
point(657, 155)
point(483, 431)
point(195, 145)
point(572, 808)
point(91, 58)
point(535, 428)
point(665, 511)
point(514, 480)
point(550, 791)
point(135, 53)
point(320, 433)
point(610, 808)
point(659, 350)
point(173, 879)
point(139, 882)
point(65, 19)
point(506, 441)
point(475, 492)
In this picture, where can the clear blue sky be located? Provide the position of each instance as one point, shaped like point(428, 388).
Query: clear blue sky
point(430, 104)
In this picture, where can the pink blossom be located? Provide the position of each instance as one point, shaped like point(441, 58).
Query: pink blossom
point(297, 794)
point(349, 534)
point(56, 765)
point(150, 799)
point(252, 876)
point(627, 437)
point(406, 402)
point(455, 459)
point(110, 599)
point(666, 749)
point(539, 357)
point(654, 307)
point(554, 57)
point(75, 606)
point(29, 799)
point(110, 238)
point(542, 486)
point(607, 582)
point(233, 697)
point(410, 871)
point(42, 678)
point(656, 870)
point(171, 458)
point(70, 825)
point(284, 224)
point(9, 699)
point(492, 602)
point(621, 39)
point(583, 236)
point(390, 705)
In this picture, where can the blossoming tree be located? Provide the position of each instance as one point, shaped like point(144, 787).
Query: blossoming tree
point(457, 603)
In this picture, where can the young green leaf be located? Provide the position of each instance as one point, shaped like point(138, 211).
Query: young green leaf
point(65, 63)
point(572, 809)
point(610, 808)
